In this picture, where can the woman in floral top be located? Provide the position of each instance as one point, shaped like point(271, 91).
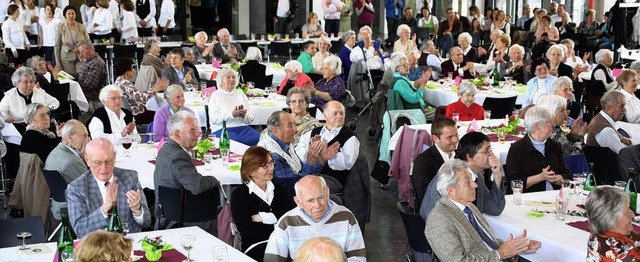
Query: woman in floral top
point(330, 87)
point(298, 101)
point(570, 139)
point(123, 68)
point(612, 237)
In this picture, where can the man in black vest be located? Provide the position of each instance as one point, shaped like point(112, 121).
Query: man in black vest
point(112, 122)
point(145, 12)
point(337, 168)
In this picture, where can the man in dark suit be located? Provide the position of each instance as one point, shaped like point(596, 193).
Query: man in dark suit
point(629, 157)
point(457, 230)
point(91, 196)
point(178, 73)
point(457, 65)
point(226, 51)
point(445, 136)
point(485, 51)
point(448, 31)
point(485, 169)
point(516, 67)
point(174, 168)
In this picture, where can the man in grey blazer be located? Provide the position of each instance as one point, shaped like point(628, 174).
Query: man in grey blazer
point(456, 229)
point(486, 171)
point(629, 157)
point(175, 169)
point(91, 196)
point(226, 51)
point(177, 73)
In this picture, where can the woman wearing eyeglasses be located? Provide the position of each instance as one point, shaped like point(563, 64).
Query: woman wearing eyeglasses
point(298, 101)
point(258, 203)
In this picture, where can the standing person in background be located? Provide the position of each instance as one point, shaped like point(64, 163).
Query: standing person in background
point(31, 26)
point(167, 22)
point(116, 15)
point(448, 31)
point(283, 13)
point(49, 25)
point(526, 15)
point(146, 12)
point(409, 20)
point(102, 21)
point(332, 10)
point(364, 10)
point(428, 21)
point(129, 26)
point(16, 43)
point(70, 33)
point(345, 16)
point(393, 13)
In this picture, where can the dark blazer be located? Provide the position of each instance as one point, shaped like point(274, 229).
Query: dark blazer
point(193, 67)
point(489, 199)
point(523, 161)
point(34, 142)
point(425, 168)
point(447, 67)
point(521, 75)
point(456, 29)
point(170, 74)
point(472, 55)
point(629, 157)
point(489, 47)
point(565, 70)
point(219, 53)
point(254, 72)
point(84, 200)
point(66, 162)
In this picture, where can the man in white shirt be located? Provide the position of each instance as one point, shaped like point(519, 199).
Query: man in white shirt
point(365, 49)
point(146, 13)
point(112, 122)
point(558, 17)
point(602, 129)
point(116, 15)
point(526, 15)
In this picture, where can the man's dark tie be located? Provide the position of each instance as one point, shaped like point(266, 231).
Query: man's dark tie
point(487, 239)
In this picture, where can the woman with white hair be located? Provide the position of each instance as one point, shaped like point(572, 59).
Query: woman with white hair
point(563, 86)
point(465, 106)
point(331, 86)
point(601, 78)
point(536, 159)
point(470, 53)
point(294, 78)
point(572, 141)
point(557, 68)
point(628, 82)
point(232, 106)
point(253, 71)
point(37, 139)
point(410, 92)
point(349, 40)
point(406, 43)
point(112, 122)
point(323, 52)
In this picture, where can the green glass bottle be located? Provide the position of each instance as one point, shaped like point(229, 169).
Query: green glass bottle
point(631, 189)
point(114, 224)
point(496, 75)
point(65, 241)
point(224, 137)
point(590, 181)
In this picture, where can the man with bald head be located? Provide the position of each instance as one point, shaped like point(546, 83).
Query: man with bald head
point(338, 138)
point(315, 216)
point(225, 50)
point(457, 66)
point(92, 195)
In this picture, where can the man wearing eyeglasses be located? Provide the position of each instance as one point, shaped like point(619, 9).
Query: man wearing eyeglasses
point(485, 169)
point(175, 169)
point(91, 196)
point(112, 122)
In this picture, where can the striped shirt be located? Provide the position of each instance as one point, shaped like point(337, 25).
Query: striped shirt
point(295, 227)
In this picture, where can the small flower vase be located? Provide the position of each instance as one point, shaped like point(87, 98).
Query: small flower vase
point(152, 255)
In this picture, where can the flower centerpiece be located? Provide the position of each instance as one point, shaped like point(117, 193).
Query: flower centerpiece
point(479, 82)
point(244, 87)
point(153, 247)
point(191, 39)
point(204, 146)
point(511, 127)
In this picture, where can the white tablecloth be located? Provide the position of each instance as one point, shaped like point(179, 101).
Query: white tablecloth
point(202, 250)
point(76, 94)
point(632, 129)
point(443, 96)
point(206, 70)
point(560, 242)
point(10, 134)
point(499, 149)
point(140, 155)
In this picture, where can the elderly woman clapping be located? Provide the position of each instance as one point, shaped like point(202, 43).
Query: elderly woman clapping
point(601, 75)
point(294, 77)
point(465, 105)
point(253, 71)
point(331, 86)
point(572, 141)
point(410, 92)
point(628, 82)
point(536, 159)
point(231, 105)
point(406, 43)
point(612, 234)
point(298, 101)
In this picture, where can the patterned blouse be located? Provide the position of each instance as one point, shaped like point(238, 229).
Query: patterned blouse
point(613, 246)
point(567, 142)
point(135, 98)
point(304, 125)
point(335, 88)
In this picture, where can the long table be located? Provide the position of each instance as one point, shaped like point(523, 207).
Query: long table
point(202, 249)
point(206, 70)
point(443, 96)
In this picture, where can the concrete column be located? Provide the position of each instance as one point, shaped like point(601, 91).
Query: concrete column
point(598, 5)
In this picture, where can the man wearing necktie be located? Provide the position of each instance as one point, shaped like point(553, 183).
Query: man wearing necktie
point(456, 229)
point(457, 66)
point(225, 50)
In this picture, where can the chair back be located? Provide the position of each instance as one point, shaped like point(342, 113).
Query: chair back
point(202, 207)
point(67, 109)
point(414, 228)
point(146, 78)
point(280, 51)
point(245, 45)
point(170, 203)
point(499, 107)
point(336, 46)
point(10, 228)
point(125, 51)
point(422, 33)
point(30, 190)
point(267, 81)
point(57, 184)
point(605, 164)
point(256, 251)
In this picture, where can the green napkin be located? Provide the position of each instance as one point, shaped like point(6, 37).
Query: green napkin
point(432, 86)
point(522, 89)
point(535, 214)
point(234, 168)
point(197, 102)
point(268, 103)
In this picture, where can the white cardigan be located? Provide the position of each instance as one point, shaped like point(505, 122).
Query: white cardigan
point(129, 25)
point(14, 106)
point(103, 18)
point(222, 103)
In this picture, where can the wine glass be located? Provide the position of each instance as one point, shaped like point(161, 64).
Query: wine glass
point(487, 116)
point(24, 235)
point(456, 117)
point(220, 253)
point(516, 187)
point(126, 144)
point(188, 241)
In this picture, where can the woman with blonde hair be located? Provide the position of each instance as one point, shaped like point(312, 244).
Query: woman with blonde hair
point(105, 247)
point(312, 28)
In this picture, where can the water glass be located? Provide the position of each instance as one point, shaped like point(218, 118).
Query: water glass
point(203, 85)
point(561, 207)
point(253, 36)
point(620, 184)
point(220, 253)
point(188, 241)
point(502, 136)
point(208, 158)
point(516, 113)
point(487, 116)
point(516, 187)
point(297, 36)
point(456, 117)
point(224, 153)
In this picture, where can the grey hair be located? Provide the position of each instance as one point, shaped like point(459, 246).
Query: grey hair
point(294, 66)
point(518, 47)
point(427, 43)
point(345, 37)
point(544, 11)
point(613, 97)
point(401, 28)
point(326, 40)
point(534, 116)
point(448, 175)
point(31, 110)
point(604, 206)
point(104, 92)
point(568, 41)
point(201, 33)
point(20, 72)
point(556, 46)
point(254, 53)
point(87, 44)
point(274, 120)
point(33, 61)
point(334, 63)
point(601, 53)
point(297, 90)
point(172, 88)
point(561, 81)
point(323, 184)
point(71, 127)
point(467, 36)
point(187, 51)
point(177, 121)
point(149, 45)
point(551, 103)
point(222, 31)
point(467, 87)
point(365, 28)
point(223, 73)
point(635, 66)
point(396, 59)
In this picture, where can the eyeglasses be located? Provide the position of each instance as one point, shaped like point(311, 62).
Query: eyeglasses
point(299, 101)
point(107, 162)
point(115, 98)
point(269, 164)
point(486, 151)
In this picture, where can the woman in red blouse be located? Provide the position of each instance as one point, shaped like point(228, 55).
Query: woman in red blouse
point(465, 106)
point(612, 237)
